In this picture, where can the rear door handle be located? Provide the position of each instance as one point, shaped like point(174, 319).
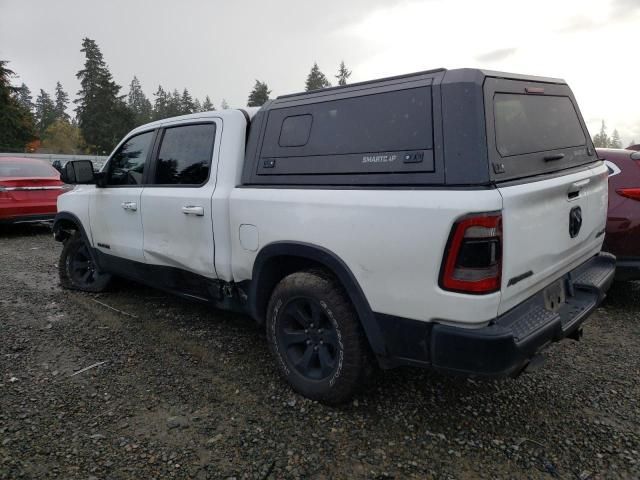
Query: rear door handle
point(133, 206)
point(193, 210)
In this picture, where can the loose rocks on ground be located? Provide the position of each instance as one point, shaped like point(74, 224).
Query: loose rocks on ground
point(191, 392)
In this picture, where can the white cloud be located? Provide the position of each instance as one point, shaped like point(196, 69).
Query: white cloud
point(587, 42)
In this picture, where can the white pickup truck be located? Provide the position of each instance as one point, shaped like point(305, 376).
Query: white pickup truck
point(447, 219)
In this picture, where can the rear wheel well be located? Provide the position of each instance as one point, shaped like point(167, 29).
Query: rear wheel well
point(272, 272)
point(279, 259)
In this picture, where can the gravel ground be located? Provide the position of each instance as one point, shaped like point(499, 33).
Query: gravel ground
point(178, 390)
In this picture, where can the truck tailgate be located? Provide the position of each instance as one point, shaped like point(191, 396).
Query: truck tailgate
point(542, 238)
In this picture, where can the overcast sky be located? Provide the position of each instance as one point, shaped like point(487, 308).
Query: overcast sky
point(219, 48)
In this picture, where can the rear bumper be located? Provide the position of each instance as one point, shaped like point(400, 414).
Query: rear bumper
point(20, 212)
point(506, 345)
point(627, 269)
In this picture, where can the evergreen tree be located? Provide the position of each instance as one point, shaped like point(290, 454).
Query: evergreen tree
point(161, 104)
point(62, 101)
point(25, 98)
point(16, 121)
point(186, 103)
point(259, 95)
point(343, 74)
point(616, 141)
point(138, 103)
point(174, 104)
point(102, 114)
point(207, 105)
point(224, 105)
point(45, 112)
point(197, 106)
point(601, 140)
point(316, 79)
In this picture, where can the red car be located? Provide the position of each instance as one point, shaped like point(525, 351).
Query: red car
point(623, 220)
point(29, 189)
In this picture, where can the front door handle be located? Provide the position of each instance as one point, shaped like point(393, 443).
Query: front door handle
point(133, 206)
point(193, 210)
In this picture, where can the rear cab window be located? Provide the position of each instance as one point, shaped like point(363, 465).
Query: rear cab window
point(533, 129)
point(185, 154)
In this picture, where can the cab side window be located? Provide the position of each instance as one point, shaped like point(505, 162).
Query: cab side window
point(126, 166)
point(185, 155)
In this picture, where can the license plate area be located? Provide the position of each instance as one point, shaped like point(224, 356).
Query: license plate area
point(554, 296)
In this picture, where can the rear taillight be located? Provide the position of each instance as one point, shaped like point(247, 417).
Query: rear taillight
point(473, 258)
point(632, 193)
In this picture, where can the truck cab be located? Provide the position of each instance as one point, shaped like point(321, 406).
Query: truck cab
point(166, 173)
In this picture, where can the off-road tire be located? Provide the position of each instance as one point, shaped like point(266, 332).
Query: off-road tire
point(74, 253)
point(352, 358)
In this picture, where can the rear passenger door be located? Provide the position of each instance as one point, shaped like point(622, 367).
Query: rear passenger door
point(176, 204)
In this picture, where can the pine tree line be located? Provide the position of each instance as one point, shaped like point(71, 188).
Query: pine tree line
point(16, 121)
point(317, 80)
point(602, 139)
point(103, 115)
point(47, 118)
point(166, 104)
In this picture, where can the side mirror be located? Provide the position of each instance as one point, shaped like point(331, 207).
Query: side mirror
point(635, 156)
point(78, 172)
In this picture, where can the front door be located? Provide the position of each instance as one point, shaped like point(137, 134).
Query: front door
point(115, 210)
point(176, 204)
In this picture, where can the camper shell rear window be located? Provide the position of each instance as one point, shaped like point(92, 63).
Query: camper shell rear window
point(533, 129)
point(535, 123)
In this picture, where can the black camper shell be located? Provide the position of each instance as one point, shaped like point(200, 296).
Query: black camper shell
point(438, 128)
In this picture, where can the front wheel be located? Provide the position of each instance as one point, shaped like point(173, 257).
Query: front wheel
point(76, 268)
point(316, 337)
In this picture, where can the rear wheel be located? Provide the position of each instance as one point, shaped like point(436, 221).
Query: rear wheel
point(77, 269)
point(316, 337)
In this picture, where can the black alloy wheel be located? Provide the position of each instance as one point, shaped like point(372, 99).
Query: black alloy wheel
point(82, 269)
point(316, 337)
point(308, 338)
point(76, 267)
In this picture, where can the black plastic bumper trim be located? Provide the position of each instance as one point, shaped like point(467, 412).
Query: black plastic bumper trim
point(506, 345)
